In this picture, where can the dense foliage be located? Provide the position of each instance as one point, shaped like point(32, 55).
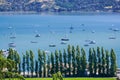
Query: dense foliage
point(8, 67)
point(72, 62)
point(60, 5)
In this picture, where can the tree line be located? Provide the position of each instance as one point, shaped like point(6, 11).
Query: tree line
point(71, 62)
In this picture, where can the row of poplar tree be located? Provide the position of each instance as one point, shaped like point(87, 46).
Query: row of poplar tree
point(71, 62)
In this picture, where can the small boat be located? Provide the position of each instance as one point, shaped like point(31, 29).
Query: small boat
point(12, 44)
point(92, 42)
point(34, 42)
point(112, 37)
point(71, 28)
point(83, 29)
point(86, 45)
point(93, 31)
point(10, 27)
point(116, 29)
point(12, 37)
point(52, 45)
point(63, 42)
point(70, 31)
point(37, 35)
point(64, 39)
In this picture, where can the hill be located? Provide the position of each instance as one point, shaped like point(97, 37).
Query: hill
point(60, 5)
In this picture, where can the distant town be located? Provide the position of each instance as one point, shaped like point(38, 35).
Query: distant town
point(60, 5)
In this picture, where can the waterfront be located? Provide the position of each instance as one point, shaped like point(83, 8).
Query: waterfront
point(52, 28)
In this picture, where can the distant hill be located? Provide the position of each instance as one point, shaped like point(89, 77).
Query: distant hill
point(60, 5)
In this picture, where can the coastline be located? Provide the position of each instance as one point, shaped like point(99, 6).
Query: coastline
point(56, 13)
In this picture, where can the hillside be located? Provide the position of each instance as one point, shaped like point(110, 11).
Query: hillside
point(60, 5)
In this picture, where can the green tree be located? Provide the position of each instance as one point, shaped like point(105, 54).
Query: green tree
point(56, 61)
point(48, 66)
point(73, 61)
point(103, 62)
point(90, 60)
point(23, 65)
point(95, 62)
point(69, 59)
point(27, 62)
point(78, 61)
point(31, 63)
point(113, 65)
point(99, 61)
point(11, 54)
point(17, 61)
point(83, 61)
point(40, 61)
point(36, 68)
point(44, 64)
point(10, 66)
point(61, 61)
point(65, 62)
point(53, 64)
point(107, 63)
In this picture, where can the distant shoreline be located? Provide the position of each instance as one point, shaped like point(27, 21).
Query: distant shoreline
point(54, 13)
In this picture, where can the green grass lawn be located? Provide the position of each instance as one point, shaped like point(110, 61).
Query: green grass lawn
point(72, 78)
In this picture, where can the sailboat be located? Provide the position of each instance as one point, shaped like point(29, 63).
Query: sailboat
point(37, 34)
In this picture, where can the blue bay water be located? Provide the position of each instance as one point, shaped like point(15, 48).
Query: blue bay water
point(54, 27)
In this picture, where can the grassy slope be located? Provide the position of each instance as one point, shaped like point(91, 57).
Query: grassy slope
point(72, 79)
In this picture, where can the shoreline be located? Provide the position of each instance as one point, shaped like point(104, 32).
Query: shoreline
point(55, 13)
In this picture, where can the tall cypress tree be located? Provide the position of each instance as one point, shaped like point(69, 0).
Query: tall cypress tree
point(73, 61)
point(90, 60)
point(78, 61)
point(95, 62)
point(61, 61)
point(107, 64)
point(31, 63)
point(53, 64)
point(65, 62)
point(23, 65)
point(103, 62)
point(16, 58)
point(48, 66)
point(40, 61)
point(69, 59)
point(27, 62)
point(36, 68)
point(44, 59)
point(83, 61)
point(56, 61)
point(113, 65)
point(99, 61)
